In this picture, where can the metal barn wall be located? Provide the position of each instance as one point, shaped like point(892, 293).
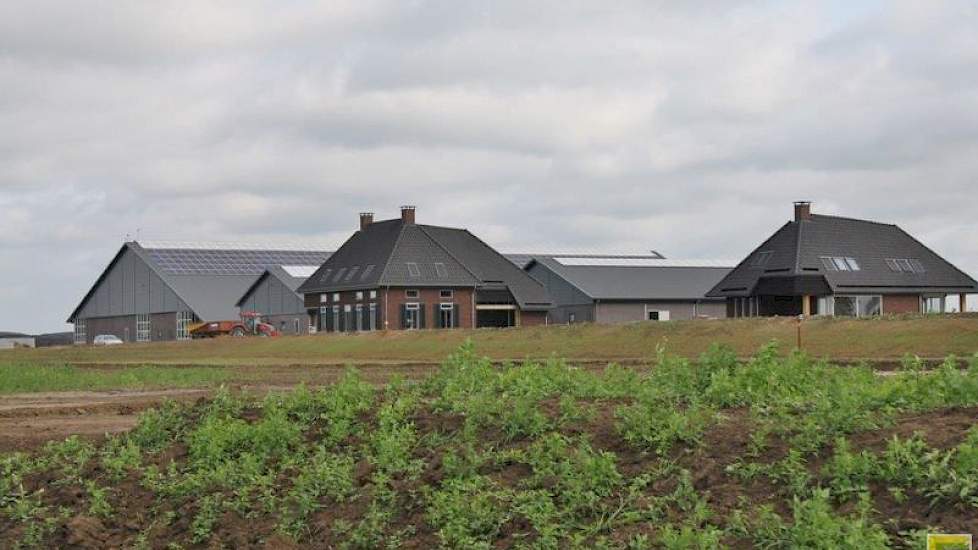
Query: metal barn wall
point(129, 288)
point(271, 297)
point(626, 312)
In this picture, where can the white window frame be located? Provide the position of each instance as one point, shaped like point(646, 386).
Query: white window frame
point(336, 318)
point(144, 327)
point(414, 270)
point(297, 325)
point(184, 319)
point(323, 298)
point(81, 332)
point(857, 297)
point(373, 316)
point(450, 308)
point(415, 317)
point(446, 294)
point(942, 300)
point(323, 312)
point(359, 320)
point(440, 270)
point(336, 297)
point(663, 314)
point(359, 295)
point(412, 293)
point(373, 294)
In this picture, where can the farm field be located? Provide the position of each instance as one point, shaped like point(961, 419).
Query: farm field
point(779, 451)
point(840, 339)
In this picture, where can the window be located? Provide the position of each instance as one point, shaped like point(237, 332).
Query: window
point(366, 272)
point(413, 270)
point(296, 326)
point(373, 294)
point(657, 315)
point(324, 278)
point(373, 317)
point(571, 317)
point(359, 295)
point(80, 331)
point(854, 306)
point(447, 294)
point(184, 318)
point(412, 316)
point(323, 298)
point(906, 265)
point(143, 329)
point(336, 319)
point(323, 313)
point(839, 263)
point(352, 273)
point(411, 294)
point(446, 315)
point(932, 304)
point(336, 297)
point(359, 317)
point(339, 274)
point(440, 270)
point(762, 259)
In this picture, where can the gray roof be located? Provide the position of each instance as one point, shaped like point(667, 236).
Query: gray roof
point(211, 295)
point(636, 282)
point(290, 282)
point(796, 250)
point(380, 254)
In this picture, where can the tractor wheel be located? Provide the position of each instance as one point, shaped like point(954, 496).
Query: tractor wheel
point(238, 332)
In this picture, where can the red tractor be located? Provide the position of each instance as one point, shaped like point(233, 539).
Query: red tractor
point(249, 325)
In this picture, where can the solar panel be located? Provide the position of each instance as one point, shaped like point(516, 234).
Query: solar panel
point(200, 261)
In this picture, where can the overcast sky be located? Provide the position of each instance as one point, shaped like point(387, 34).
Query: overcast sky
point(685, 127)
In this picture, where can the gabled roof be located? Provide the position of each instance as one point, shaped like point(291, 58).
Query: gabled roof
point(623, 278)
point(798, 249)
point(282, 274)
point(208, 280)
point(394, 253)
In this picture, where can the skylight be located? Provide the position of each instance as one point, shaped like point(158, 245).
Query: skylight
point(413, 270)
point(905, 265)
point(440, 270)
point(840, 263)
point(762, 259)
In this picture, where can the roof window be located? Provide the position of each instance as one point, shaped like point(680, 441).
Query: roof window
point(762, 259)
point(905, 265)
point(413, 270)
point(440, 270)
point(840, 263)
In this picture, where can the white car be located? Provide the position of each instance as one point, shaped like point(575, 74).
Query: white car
point(106, 340)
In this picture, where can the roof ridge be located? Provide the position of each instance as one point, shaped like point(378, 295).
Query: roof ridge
point(449, 252)
point(850, 219)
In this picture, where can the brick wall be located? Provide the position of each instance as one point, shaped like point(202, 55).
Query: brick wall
point(430, 297)
point(533, 318)
point(894, 304)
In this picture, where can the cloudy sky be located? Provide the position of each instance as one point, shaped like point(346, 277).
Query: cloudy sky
point(685, 127)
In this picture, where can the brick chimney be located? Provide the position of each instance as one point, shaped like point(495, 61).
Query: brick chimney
point(407, 214)
point(803, 211)
point(366, 218)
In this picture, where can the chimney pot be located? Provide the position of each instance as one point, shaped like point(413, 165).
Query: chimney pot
point(366, 218)
point(803, 210)
point(407, 214)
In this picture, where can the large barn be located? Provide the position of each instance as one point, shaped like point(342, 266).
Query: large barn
point(157, 291)
point(628, 288)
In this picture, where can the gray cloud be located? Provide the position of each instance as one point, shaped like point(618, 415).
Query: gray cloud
point(684, 127)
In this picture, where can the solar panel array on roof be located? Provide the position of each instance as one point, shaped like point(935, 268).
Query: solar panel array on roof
point(184, 261)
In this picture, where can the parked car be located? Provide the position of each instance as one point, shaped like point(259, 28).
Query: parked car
point(106, 340)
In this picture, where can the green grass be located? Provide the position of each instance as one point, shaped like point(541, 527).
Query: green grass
point(708, 454)
point(886, 338)
point(28, 377)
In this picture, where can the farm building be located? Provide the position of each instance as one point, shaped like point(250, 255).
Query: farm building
point(10, 340)
point(157, 291)
point(398, 274)
point(275, 295)
point(828, 265)
point(621, 289)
